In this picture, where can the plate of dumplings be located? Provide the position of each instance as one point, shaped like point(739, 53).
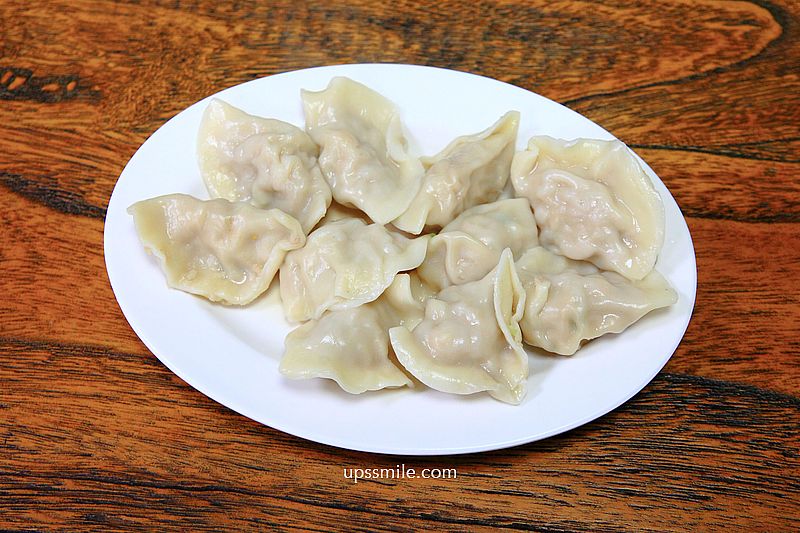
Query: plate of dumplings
point(400, 259)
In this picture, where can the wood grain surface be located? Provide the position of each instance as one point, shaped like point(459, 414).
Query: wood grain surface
point(95, 433)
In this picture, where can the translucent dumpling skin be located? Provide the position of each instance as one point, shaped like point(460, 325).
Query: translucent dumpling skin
point(469, 340)
point(593, 202)
point(266, 162)
point(471, 170)
point(351, 346)
point(364, 153)
point(570, 301)
point(470, 246)
point(345, 264)
point(225, 251)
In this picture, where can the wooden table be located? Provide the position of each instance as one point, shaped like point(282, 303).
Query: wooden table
point(95, 432)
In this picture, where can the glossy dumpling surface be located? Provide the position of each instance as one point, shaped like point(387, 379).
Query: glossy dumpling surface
point(471, 170)
point(571, 301)
point(469, 340)
point(226, 251)
point(267, 162)
point(364, 153)
point(351, 346)
point(470, 246)
point(593, 201)
point(344, 264)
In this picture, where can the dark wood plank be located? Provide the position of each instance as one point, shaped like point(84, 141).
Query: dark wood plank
point(728, 110)
point(726, 187)
point(745, 323)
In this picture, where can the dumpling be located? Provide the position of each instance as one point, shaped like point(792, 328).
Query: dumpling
point(471, 170)
point(344, 264)
point(351, 346)
point(593, 202)
point(469, 340)
point(364, 154)
point(226, 251)
point(266, 162)
point(571, 301)
point(470, 246)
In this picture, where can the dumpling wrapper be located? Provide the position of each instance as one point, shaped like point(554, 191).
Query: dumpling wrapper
point(364, 153)
point(225, 251)
point(571, 301)
point(344, 264)
point(351, 346)
point(593, 202)
point(470, 246)
point(469, 340)
point(471, 170)
point(337, 211)
point(267, 162)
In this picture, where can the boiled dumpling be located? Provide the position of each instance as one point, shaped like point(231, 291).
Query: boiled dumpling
point(470, 246)
point(226, 251)
point(344, 264)
point(593, 201)
point(364, 154)
point(351, 346)
point(266, 162)
point(469, 340)
point(471, 170)
point(570, 301)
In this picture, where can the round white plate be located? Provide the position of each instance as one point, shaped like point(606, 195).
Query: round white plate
point(232, 355)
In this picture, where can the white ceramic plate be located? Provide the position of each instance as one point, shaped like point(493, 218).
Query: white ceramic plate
point(232, 355)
